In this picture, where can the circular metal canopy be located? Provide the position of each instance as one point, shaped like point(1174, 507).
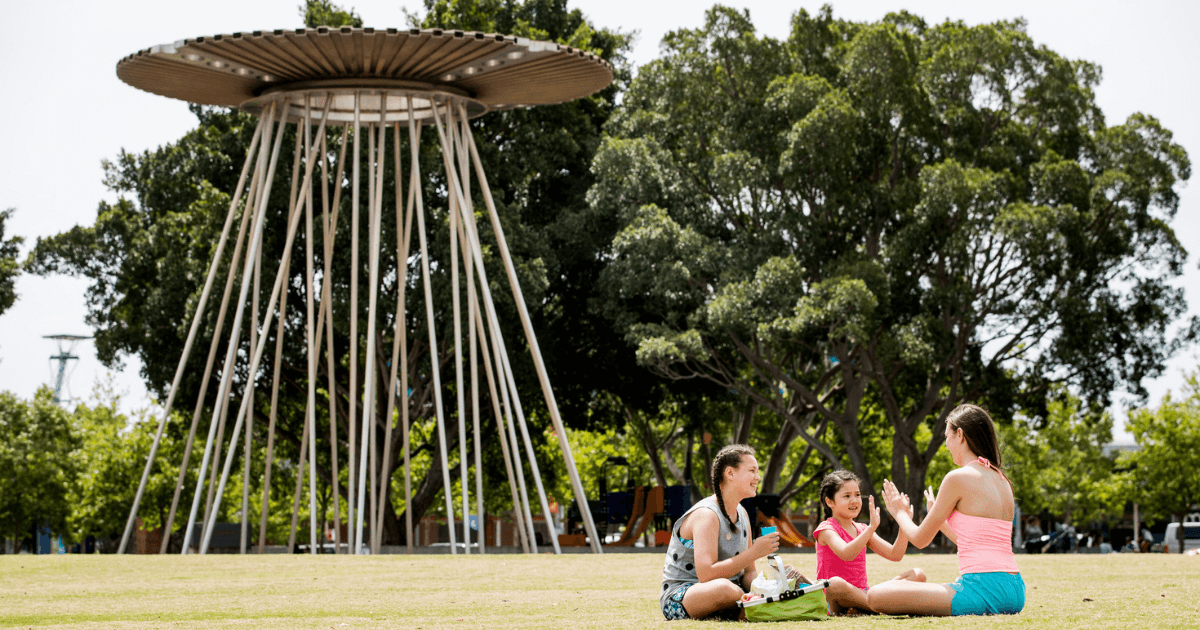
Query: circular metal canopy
point(237, 70)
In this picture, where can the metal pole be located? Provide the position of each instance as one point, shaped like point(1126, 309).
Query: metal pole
point(414, 185)
point(286, 265)
point(454, 189)
point(254, 341)
point(351, 500)
point(309, 333)
point(433, 360)
point(304, 437)
point(376, 480)
point(224, 407)
point(197, 317)
point(472, 307)
point(458, 371)
point(496, 398)
point(257, 357)
point(369, 374)
point(399, 333)
point(247, 213)
point(368, 419)
point(327, 311)
point(266, 494)
point(535, 351)
point(231, 351)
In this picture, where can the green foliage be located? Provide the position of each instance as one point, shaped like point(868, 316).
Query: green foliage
point(109, 460)
point(1058, 465)
point(36, 441)
point(9, 268)
point(325, 13)
point(1165, 473)
point(923, 214)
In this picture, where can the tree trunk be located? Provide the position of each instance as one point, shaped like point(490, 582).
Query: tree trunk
point(779, 453)
point(695, 493)
point(649, 444)
point(743, 421)
point(909, 471)
point(427, 491)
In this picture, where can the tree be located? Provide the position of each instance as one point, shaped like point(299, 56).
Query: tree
point(1166, 470)
point(923, 214)
point(1058, 464)
point(9, 267)
point(147, 254)
point(36, 440)
point(324, 13)
point(111, 450)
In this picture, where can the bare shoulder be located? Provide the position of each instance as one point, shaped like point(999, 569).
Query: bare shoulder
point(957, 481)
point(956, 476)
point(698, 520)
point(703, 516)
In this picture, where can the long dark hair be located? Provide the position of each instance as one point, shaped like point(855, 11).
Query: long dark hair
point(728, 457)
point(832, 483)
point(979, 431)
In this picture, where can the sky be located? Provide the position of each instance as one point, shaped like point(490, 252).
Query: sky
point(67, 112)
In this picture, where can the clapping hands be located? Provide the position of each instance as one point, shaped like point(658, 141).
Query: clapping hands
point(897, 502)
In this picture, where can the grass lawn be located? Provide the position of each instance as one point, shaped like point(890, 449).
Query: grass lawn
point(511, 591)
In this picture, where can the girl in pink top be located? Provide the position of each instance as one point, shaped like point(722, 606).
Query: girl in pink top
point(974, 508)
point(842, 545)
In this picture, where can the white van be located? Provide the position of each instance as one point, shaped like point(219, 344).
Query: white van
point(1191, 537)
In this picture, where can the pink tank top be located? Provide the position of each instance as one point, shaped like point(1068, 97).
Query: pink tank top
point(830, 565)
point(984, 544)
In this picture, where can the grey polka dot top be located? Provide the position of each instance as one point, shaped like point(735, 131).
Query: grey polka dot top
point(679, 567)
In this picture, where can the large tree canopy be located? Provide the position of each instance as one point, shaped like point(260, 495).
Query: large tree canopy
point(147, 254)
point(893, 213)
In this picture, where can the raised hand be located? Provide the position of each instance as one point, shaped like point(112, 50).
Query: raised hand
point(896, 501)
point(930, 497)
point(873, 513)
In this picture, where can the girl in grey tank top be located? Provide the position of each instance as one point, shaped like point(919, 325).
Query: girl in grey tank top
point(735, 476)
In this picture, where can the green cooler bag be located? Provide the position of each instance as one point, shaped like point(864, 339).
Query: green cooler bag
point(803, 602)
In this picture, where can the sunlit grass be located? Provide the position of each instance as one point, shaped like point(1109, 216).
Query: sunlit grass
point(510, 591)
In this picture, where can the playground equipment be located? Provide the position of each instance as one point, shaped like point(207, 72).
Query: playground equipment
point(770, 514)
point(638, 509)
point(365, 82)
point(647, 507)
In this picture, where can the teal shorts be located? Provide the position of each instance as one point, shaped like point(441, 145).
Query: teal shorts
point(988, 594)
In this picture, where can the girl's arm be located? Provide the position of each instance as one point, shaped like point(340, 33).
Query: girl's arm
point(849, 550)
point(706, 528)
point(930, 499)
point(898, 505)
point(891, 551)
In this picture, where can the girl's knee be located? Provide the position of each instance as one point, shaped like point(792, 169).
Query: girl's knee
point(918, 575)
point(838, 587)
point(878, 596)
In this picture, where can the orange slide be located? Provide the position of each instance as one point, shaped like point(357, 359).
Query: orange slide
point(646, 505)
